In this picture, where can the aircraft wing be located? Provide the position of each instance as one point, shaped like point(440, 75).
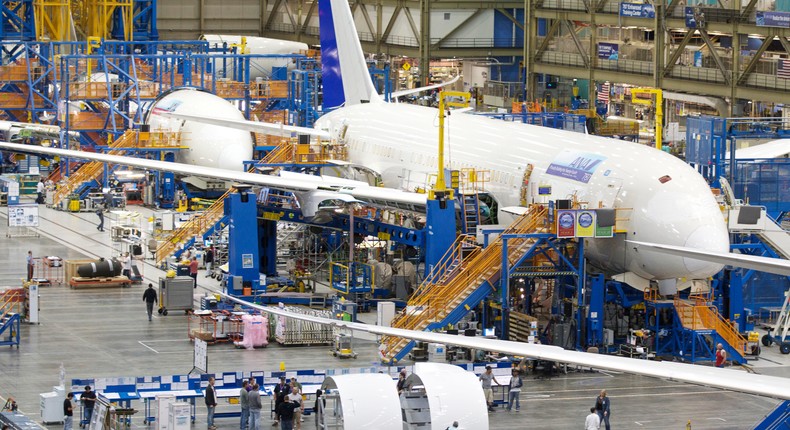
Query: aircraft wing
point(253, 126)
point(774, 149)
point(777, 266)
point(309, 188)
point(728, 379)
point(401, 93)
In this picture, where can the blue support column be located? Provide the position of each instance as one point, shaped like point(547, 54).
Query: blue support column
point(267, 247)
point(580, 279)
point(243, 262)
point(441, 230)
point(595, 315)
point(504, 289)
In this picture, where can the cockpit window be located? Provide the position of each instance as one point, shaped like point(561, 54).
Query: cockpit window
point(664, 179)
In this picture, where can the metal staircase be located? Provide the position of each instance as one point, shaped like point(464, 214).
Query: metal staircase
point(9, 318)
point(203, 224)
point(471, 213)
point(701, 320)
point(91, 171)
point(778, 419)
point(464, 276)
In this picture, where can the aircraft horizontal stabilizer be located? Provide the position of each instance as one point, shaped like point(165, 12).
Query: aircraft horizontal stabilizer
point(253, 126)
point(401, 93)
point(728, 379)
point(763, 264)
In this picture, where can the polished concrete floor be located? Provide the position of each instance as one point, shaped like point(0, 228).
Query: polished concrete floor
point(97, 333)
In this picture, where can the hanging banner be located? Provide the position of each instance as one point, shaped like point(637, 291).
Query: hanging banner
point(604, 231)
point(566, 223)
point(637, 10)
point(585, 223)
point(608, 51)
point(772, 19)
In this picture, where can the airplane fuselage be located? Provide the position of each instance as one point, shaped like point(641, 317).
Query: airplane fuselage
point(670, 202)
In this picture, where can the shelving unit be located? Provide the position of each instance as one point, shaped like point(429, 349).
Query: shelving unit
point(416, 411)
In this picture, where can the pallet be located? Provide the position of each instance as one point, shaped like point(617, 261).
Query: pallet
point(114, 282)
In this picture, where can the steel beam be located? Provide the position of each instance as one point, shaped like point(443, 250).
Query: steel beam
point(555, 25)
point(678, 51)
point(755, 58)
point(709, 43)
point(578, 43)
point(508, 16)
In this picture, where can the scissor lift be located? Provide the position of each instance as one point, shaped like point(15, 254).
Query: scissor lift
point(779, 333)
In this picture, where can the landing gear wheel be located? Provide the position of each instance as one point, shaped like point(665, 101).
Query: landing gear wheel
point(164, 312)
point(785, 348)
point(767, 340)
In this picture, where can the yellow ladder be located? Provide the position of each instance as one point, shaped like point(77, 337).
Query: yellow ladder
point(460, 272)
point(93, 169)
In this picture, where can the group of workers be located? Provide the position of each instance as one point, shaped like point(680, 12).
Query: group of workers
point(88, 400)
point(288, 404)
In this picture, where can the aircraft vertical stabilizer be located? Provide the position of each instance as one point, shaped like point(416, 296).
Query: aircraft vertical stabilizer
point(346, 79)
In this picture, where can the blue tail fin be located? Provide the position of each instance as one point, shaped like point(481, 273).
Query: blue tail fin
point(345, 75)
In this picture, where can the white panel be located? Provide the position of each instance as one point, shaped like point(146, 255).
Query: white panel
point(481, 27)
point(440, 27)
point(368, 400)
point(402, 28)
point(453, 395)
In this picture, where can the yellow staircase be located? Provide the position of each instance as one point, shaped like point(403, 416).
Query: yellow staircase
point(463, 269)
point(197, 225)
point(702, 316)
point(93, 169)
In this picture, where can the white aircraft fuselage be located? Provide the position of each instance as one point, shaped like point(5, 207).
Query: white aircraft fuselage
point(617, 174)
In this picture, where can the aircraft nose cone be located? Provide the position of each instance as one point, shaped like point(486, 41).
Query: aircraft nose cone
point(707, 238)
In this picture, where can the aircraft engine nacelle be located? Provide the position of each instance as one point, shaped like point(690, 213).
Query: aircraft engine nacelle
point(259, 67)
point(100, 269)
point(207, 145)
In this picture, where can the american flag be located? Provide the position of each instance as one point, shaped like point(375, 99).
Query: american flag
point(783, 69)
point(603, 95)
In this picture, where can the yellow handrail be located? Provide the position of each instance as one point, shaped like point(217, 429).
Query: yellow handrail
point(461, 275)
point(92, 169)
point(705, 317)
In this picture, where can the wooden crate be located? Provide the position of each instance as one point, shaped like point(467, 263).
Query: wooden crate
point(70, 267)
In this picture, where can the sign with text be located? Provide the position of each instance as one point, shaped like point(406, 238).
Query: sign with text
point(608, 51)
point(637, 10)
point(575, 165)
point(772, 19)
point(691, 17)
point(201, 355)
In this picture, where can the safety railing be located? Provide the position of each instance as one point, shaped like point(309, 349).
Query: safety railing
point(705, 317)
point(92, 169)
point(460, 272)
point(196, 225)
point(10, 302)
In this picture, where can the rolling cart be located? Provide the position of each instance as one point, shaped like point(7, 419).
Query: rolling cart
point(176, 294)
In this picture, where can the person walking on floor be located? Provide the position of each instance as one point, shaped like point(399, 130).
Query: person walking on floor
point(211, 403)
point(603, 408)
point(30, 265)
point(515, 391)
point(280, 391)
point(40, 188)
point(100, 214)
point(149, 297)
point(244, 402)
point(193, 269)
point(254, 400)
point(88, 398)
point(487, 377)
point(208, 260)
point(68, 412)
point(593, 421)
point(296, 398)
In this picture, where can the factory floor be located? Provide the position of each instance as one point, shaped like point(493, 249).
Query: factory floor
point(105, 333)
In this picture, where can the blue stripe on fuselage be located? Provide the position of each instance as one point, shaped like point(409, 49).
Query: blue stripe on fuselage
point(332, 78)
